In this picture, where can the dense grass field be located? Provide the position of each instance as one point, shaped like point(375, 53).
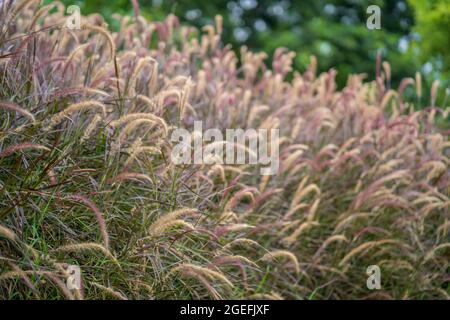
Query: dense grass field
point(86, 176)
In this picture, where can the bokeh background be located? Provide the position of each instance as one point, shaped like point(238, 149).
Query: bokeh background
point(414, 35)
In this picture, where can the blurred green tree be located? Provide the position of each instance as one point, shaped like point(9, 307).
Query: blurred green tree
point(433, 28)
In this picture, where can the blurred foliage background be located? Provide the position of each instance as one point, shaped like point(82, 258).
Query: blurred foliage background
point(414, 34)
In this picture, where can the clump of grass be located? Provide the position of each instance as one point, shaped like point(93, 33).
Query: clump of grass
point(86, 177)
